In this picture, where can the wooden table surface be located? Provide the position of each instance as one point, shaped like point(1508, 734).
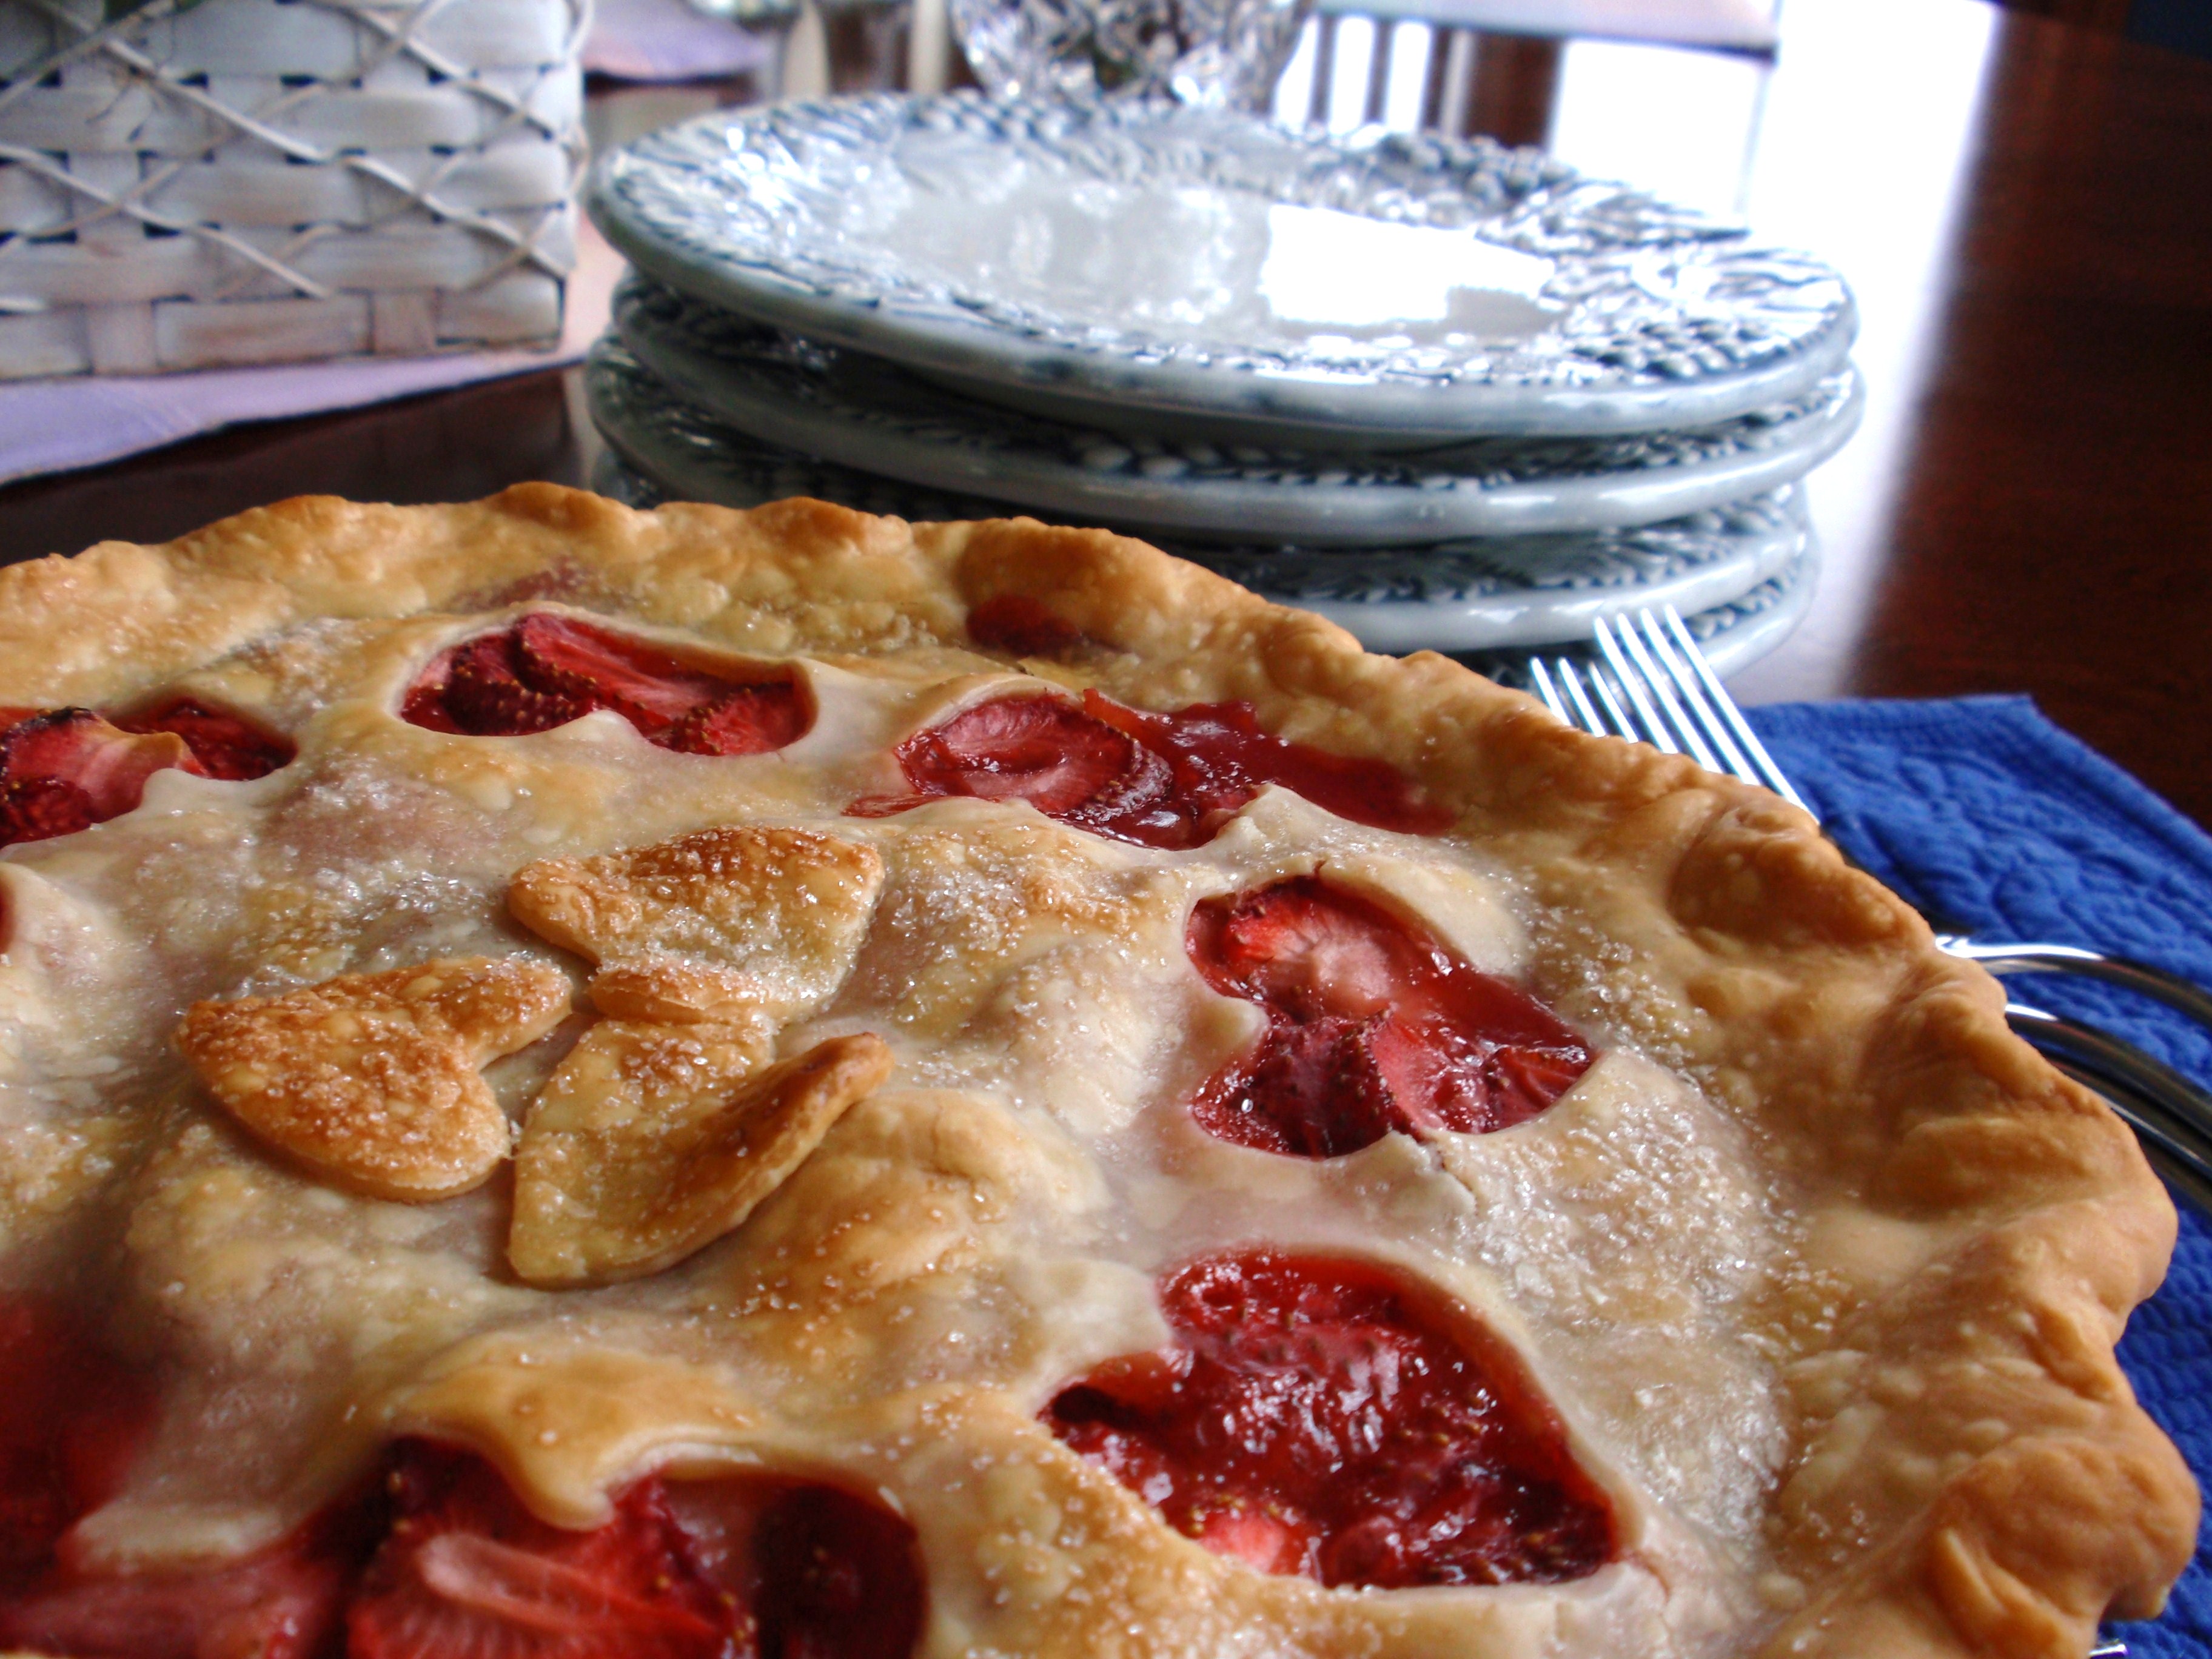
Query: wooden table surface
point(2024, 210)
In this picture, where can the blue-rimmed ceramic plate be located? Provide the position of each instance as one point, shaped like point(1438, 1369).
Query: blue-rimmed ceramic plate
point(1731, 636)
point(1497, 593)
point(1488, 594)
point(1142, 263)
point(863, 412)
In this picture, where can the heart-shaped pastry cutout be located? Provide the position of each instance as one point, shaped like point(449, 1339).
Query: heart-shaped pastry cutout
point(717, 923)
point(652, 1141)
point(373, 1081)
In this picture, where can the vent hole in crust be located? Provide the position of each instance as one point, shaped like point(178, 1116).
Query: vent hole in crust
point(226, 746)
point(435, 1558)
point(72, 1418)
point(1165, 780)
point(545, 671)
point(1314, 1417)
point(1371, 1027)
point(66, 769)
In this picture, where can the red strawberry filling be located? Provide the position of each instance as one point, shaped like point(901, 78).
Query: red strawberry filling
point(223, 745)
point(37, 809)
point(69, 769)
point(281, 1604)
point(1312, 1418)
point(1038, 749)
point(66, 769)
point(72, 1417)
point(440, 1561)
point(816, 1571)
point(545, 671)
point(1165, 780)
point(103, 763)
point(1371, 1027)
point(467, 1571)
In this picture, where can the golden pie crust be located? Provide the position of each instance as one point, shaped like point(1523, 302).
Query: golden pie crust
point(1820, 1266)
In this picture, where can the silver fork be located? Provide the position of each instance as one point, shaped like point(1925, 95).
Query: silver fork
point(1653, 685)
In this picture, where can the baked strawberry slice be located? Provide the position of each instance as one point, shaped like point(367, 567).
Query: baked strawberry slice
point(1309, 951)
point(547, 670)
point(485, 694)
point(752, 719)
point(76, 746)
point(425, 705)
point(813, 1571)
point(37, 809)
point(647, 687)
point(1140, 804)
point(1221, 755)
point(1322, 1419)
point(282, 1604)
point(80, 747)
point(1311, 1090)
point(1090, 1422)
point(1371, 1027)
point(1479, 1064)
point(72, 1417)
point(1035, 749)
point(468, 1572)
point(835, 1577)
point(1165, 780)
point(66, 769)
point(1209, 752)
point(225, 745)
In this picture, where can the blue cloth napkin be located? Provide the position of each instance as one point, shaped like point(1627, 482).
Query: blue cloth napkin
point(1992, 821)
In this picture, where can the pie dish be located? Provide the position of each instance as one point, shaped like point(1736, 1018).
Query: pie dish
point(783, 1082)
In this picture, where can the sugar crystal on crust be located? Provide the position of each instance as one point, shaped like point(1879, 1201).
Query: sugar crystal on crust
point(710, 924)
point(652, 1142)
point(373, 1081)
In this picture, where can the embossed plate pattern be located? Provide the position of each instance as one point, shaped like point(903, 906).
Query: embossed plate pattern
point(1141, 259)
point(1732, 636)
point(1503, 592)
point(1487, 594)
point(861, 411)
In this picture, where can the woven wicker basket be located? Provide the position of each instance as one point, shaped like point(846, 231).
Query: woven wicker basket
point(254, 181)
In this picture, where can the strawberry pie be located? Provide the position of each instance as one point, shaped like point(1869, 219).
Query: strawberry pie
point(587, 1084)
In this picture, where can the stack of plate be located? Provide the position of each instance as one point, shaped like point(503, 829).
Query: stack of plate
point(1447, 394)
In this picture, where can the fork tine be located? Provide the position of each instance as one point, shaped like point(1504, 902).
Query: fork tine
point(1606, 690)
point(1649, 726)
point(1696, 700)
point(1632, 633)
point(1549, 692)
point(1586, 715)
point(1768, 773)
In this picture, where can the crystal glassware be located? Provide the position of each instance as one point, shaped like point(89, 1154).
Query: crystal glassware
point(1224, 54)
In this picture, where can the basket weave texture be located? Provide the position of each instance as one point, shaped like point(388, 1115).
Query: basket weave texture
point(253, 181)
